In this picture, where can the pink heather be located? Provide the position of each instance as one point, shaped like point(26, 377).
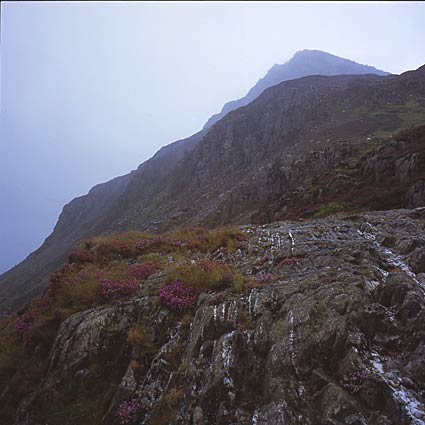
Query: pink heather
point(177, 296)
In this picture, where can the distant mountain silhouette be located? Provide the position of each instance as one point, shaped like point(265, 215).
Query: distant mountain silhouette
point(304, 62)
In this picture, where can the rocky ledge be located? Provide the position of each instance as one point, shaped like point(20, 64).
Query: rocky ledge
point(331, 332)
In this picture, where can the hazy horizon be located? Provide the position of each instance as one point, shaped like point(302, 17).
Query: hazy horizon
point(91, 90)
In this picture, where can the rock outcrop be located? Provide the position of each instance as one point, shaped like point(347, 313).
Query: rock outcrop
point(331, 332)
point(221, 175)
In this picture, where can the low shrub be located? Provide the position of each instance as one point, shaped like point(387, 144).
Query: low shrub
point(162, 243)
point(76, 289)
point(26, 321)
point(210, 240)
point(122, 245)
point(141, 342)
point(80, 257)
point(178, 296)
point(113, 289)
point(206, 275)
point(141, 271)
point(127, 411)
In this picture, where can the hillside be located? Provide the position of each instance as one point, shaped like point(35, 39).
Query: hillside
point(228, 173)
point(269, 269)
point(315, 322)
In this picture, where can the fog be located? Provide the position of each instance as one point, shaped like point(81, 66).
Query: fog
point(91, 90)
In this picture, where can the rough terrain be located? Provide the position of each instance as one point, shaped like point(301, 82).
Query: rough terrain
point(331, 330)
point(259, 163)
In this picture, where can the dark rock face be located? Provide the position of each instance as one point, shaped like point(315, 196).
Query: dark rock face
point(336, 337)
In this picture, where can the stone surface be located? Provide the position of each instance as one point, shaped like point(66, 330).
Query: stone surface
point(337, 337)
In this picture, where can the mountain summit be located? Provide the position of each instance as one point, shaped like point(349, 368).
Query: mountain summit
point(303, 63)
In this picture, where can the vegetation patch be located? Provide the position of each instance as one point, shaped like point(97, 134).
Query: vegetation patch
point(204, 276)
point(264, 278)
point(168, 406)
point(329, 209)
point(113, 290)
point(140, 341)
point(79, 400)
point(178, 296)
point(102, 270)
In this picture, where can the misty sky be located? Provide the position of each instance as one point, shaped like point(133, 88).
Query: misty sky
point(91, 90)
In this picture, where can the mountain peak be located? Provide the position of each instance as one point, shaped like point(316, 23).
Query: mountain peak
point(303, 63)
point(310, 52)
point(316, 57)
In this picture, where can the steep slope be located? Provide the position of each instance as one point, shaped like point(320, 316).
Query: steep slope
point(221, 175)
point(228, 177)
point(305, 62)
point(326, 326)
point(83, 217)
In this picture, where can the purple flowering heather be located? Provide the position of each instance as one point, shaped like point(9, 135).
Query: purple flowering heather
point(263, 278)
point(112, 289)
point(177, 296)
point(127, 411)
point(141, 271)
point(24, 324)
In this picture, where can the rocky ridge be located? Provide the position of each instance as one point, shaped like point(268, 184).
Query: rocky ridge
point(303, 63)
point(331, 332)
point(132, 201)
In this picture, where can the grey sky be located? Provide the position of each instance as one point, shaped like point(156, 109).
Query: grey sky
point(91, 90)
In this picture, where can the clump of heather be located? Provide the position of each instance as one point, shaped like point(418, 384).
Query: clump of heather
point(114, 289)
point(141, 271)
point(127, 411)
point(80, 257)
point(178, 296)
point(353, 381)
point(264, 277)
point(240, 237)
point(289, 261)
point(163, 242)
point(25, 323)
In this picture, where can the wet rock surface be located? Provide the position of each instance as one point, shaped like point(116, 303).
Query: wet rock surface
point(332, 333)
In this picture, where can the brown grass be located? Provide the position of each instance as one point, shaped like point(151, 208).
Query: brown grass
point(206, 276)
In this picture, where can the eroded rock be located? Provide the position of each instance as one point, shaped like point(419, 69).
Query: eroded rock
point(336, 337)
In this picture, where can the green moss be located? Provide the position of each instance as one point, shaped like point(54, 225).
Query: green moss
point(391, 117)
point(331, 208)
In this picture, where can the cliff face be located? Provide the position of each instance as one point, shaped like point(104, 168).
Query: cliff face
point(281, 143)
point(329, 331)
point(239, 170)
